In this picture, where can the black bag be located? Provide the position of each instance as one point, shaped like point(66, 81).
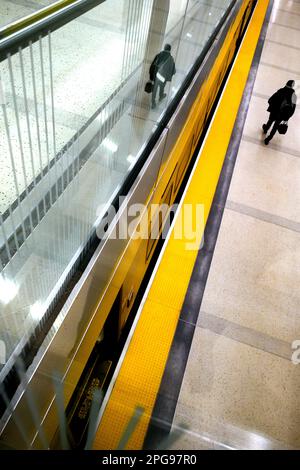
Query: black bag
point(283, 127)
point(149, 87)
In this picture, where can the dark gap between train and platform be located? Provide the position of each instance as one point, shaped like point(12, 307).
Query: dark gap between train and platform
point(165, 406)
point(110, 356)
point(166, 402)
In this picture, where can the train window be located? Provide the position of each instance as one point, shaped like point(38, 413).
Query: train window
point(200, 126)
point(157, 222)
point(183, 164)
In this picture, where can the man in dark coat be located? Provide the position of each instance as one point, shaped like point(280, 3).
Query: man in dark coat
point(161, 71)
point(282, 106)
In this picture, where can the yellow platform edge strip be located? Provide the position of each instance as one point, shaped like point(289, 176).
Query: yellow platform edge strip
point(140, 375)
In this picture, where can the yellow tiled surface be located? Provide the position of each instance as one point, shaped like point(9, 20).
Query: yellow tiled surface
point(137, 382)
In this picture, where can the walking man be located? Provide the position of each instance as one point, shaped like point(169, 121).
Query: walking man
point(282, 106)
point(161, 71)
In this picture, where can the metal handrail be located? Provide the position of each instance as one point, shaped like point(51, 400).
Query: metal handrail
point(29, 29)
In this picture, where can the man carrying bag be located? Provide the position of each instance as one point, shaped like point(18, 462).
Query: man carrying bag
point(282, 106)
point(161, 71)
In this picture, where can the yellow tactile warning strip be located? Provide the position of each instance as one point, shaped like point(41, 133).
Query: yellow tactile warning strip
point(140, 375)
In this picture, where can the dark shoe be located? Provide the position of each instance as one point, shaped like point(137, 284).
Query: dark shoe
point(264, 128)
point(162, 96)
point(153, 105)
point(267, 141)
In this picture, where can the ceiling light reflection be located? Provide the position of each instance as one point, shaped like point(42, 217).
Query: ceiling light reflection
point(131, 159)
point(110, 145)
point(8, 290)
point(37, 311)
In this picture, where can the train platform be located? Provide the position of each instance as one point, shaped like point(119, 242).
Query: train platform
point(208, 362)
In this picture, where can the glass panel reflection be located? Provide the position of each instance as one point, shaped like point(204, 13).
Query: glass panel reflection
point(74, 119)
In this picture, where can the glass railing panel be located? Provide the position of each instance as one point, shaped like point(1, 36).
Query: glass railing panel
point(74, 119)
